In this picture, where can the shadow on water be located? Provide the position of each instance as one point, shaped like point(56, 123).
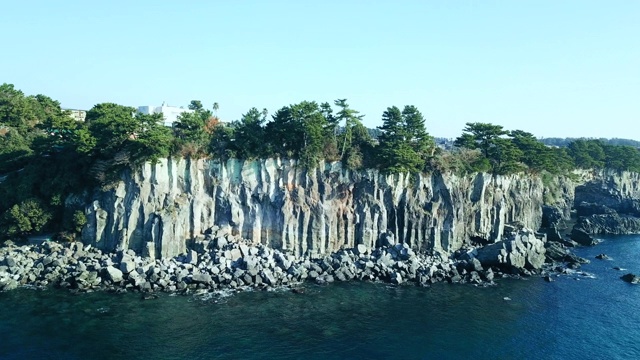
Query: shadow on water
point(561, 320)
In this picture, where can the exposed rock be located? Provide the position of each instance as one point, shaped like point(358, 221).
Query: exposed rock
point(630, 278)
point(192, 257)
point(127, 266)
point(618, 191)
point(603, 257)
point(582, 237)
point(201, 278)
point(113, 274)
point(524, 251)
point(608, 224)
point(315, 212)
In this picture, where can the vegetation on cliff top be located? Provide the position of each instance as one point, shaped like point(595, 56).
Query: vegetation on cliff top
point(46, 155)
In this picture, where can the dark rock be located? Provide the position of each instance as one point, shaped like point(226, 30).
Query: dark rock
point(192, 257)
point(630, 278)
point(476, 265)
point(608, 224)
point(552, 217)
point(582, 237)
point(588, 209)
point(387, 239)
point(396, 278)
point(602, 257)
point(524, 250)
point(548, 278)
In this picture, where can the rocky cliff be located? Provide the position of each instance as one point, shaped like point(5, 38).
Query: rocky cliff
point(159, 209)
point(609, 191)
point(609, 203)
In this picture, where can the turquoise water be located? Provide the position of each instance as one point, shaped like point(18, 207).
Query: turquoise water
point(566, 319)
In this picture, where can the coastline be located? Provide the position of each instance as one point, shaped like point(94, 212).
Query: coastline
point(229, 263)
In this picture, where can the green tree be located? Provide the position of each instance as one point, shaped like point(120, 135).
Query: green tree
point(195, 105)
point(25, 218)
point(216, 107)
point(481, 136)
point(250, 135)
point(404, 144)
point(349, 118)
point(535, 155)
point(587, 154)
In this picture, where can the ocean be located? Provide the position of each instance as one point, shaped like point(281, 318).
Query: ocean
point(590, 314)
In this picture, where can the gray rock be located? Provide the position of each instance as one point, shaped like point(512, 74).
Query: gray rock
point(268, 277)
point(192, 257)
point(127, 266)
point(396, 278)
point(361, 249)
point(582, 238)
point(113, 274)
point(235, 254)
point(201, 278)
point(10, 261)
point(220, 242)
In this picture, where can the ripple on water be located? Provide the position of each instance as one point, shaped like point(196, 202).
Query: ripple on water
point(564, 319)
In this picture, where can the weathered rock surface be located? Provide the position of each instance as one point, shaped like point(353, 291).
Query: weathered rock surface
point(582, 237)
point(609, 190)
point(631, 278)
point(608, 224)
point(159, 209)
point(524, 250)
point(240, 264)
point(609, 204)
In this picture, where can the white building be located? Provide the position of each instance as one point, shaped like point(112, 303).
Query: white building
point(169, 113)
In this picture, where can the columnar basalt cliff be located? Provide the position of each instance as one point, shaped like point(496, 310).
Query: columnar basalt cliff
point(608, 204)
point(159, 209)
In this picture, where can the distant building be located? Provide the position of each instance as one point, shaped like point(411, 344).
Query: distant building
point(77, 115)
point(169, 113)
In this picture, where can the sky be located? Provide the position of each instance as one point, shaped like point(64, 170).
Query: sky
point(567, 68)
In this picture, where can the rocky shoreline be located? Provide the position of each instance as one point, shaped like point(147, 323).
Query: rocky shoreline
point(226, 262)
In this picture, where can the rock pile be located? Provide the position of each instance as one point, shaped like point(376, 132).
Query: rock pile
point(223, 261)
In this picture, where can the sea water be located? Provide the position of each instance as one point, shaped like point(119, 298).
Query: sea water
point(590, 314)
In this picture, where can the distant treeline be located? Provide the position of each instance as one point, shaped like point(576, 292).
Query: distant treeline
point(46, 155)
point(563, 142)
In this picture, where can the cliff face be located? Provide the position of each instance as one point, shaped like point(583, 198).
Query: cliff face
point(609, 190)
point(160, 208)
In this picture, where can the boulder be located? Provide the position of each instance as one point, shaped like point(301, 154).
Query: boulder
point(192, 257)
point(201, 278)
point(361, 249)
point(387, 239)
point(113, 274)
point(220, 242)
point(396, 278)
point(520, 252)
point(582, 238)
point(602, 257)
point(630, 278)
point(127, 266)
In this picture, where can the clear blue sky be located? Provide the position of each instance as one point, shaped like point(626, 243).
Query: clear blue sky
point(554, 68)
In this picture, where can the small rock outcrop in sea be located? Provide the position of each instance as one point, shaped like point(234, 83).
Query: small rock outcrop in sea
point(630, 278)
point(602, 257)
point(225, 261)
